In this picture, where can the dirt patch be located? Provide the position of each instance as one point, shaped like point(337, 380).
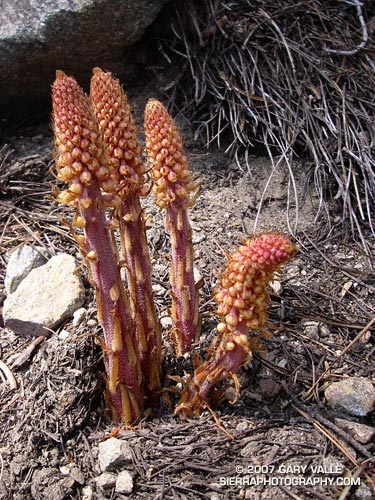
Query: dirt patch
point(50, 426)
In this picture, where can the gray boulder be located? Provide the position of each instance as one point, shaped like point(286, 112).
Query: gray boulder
point(39, 36)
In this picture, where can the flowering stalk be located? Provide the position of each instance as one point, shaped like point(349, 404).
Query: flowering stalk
point(120, 135)
point(82, 161)
point(175, 192)
point(243, 301)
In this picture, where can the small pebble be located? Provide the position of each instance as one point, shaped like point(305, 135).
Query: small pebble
point(361, 433)
point(106, 480)
point(87, 493)
point(276, 287)
point(354, 396)
point(242, 426)
point(124, 483)
point(79, 316)
point(64, 334)
point(166, 322)
point(112, 453)
point(311, 329)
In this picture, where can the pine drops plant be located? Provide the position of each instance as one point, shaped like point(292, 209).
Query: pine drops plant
point(99, 158)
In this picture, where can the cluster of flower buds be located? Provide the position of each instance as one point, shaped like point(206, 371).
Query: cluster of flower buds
point(243, 300)
point(80, 146)
point(117, 125)
point(175, 190)
point(99, 156)
point(82, 161)
point(119, 131)
point(243, 295)
point(172, 180)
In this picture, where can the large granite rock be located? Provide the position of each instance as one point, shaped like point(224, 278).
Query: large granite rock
point(39, 36)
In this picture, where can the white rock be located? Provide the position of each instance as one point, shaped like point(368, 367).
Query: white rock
point(78, 316)
point(124, 483)
point(355, 396)
point(215, 496)
point(65, 470)
point(64, 334)
point(198, 237)
point(197, 275)
point(45, 298)
point(87, 493)
point(166, 322)
point(21, 262)
point(112, 453)
point(158, 289)
point(324, 330)
point(106, 480)
point(311, 329)
point(276, 287)
point(242, 426)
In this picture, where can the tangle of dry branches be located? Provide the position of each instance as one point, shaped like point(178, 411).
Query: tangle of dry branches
point(296, 77)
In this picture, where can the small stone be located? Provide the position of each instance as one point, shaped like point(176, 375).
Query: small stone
point(231, 394)
point(124, 483)
point(106, 480)
point(65, 470)
point(345, 288)
point(76, 474)
point(198, 237)
point(269, 387)
point(354, 396)
point(276, 287)
point(324, 330)
point(78, 316)
point(158, 289)
point(87, 493)
point(21, 262)
point(242, 426)
point(215, 496)
point(361, 433)
point(166, 322)
point(45, 298)
point(73, 471)
point(311, 329)
point(113, 452)
point(363, 492)
point(92, 322)
point(64, 334)
point(197, 275)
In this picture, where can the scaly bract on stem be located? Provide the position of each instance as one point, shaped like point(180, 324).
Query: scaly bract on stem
point(175, 191)
point(82, 161)
point(242, 306)
point(120, 135)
